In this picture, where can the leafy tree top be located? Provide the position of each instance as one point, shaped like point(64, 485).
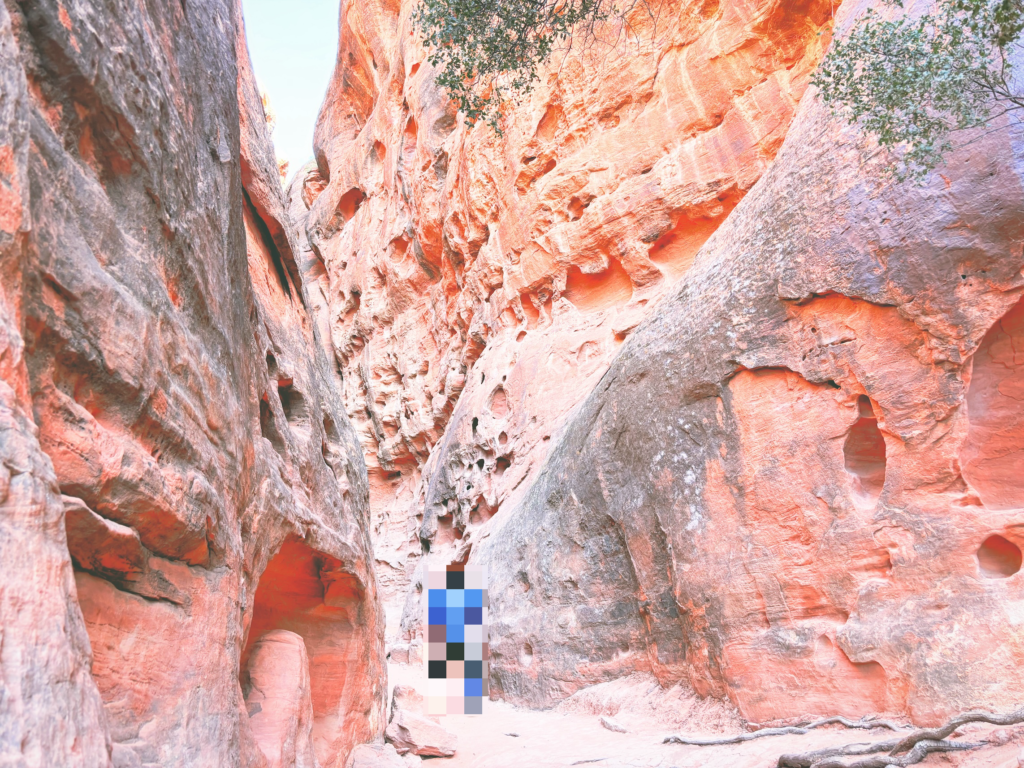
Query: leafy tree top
point(912, 81)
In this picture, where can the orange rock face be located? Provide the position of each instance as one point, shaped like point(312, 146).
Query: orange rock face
point(793, 487)
point(184, 501)
point(798, 484)
point(475, 288)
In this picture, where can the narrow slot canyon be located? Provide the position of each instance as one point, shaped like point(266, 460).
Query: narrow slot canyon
point(648, 416)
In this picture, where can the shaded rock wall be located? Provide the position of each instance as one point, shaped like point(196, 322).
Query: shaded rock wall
point(474, 288)
point(796, 486)
point(176, 455)
point(792, 486)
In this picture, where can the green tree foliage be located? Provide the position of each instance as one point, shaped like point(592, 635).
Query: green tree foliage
point(488, 51)
point(912, 81)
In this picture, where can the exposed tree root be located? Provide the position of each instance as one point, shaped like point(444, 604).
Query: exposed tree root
point(908, 750)
point(921, 750)
point(798, 729)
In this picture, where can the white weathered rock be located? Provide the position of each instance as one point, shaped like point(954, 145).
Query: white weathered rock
point(413, 733)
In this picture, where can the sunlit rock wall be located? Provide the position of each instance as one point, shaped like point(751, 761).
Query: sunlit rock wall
point(179, 480)
point(793, 486)
point(475, 287)
point(797, 485)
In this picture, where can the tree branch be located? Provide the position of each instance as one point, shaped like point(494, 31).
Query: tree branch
point(863, 723)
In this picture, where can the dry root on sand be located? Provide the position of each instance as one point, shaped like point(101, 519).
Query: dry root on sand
point(865, 723)
point(906, 750)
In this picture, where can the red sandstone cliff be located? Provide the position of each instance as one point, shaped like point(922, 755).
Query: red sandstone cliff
point(814, 510)
point(476, 288)
point(797, 485)
point(754, 426)
point(184, 535)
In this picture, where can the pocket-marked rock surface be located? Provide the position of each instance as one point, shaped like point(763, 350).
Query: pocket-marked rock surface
point(792, 487)
point(475, 288)
point(785, 488)
point(179, 478)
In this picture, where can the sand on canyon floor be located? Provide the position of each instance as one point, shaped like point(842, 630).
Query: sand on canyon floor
point(506, 736)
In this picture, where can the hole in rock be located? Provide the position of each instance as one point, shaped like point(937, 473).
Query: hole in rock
point(530, 310)
point(409, 142)
point(501, 465)
point(865, 454)
point(476, 423)
point(594, 292)
point(330, 440)
point(675, 251)
point(350, 202)
point(415, 69)
point(480, 464)
point(998, 558)
point(521, 335)
point(548, 125)
point(268, 428)
point(993, 453)
point(526, 655)
point(399, 247)
point(499, 403)
point(308, 593)
point(528, 175)
point(447, 531)
point(292, 401)
point(502, 439)
point(575, 208)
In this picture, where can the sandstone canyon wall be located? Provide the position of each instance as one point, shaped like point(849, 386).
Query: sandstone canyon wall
point(186, 574)
point(798, 483)
point(476, 287)
point(814, 510)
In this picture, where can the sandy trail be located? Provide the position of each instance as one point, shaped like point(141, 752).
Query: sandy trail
point(506, 736)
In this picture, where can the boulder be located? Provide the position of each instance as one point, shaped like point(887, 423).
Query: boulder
point(416, 734)
point(374, 756)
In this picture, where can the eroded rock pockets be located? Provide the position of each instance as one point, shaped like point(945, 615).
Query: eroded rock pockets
point(450, 259)
point(864, 454)
point(793, 480)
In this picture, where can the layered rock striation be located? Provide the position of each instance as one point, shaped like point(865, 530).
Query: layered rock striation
point(794, 484)
point(185, 525)
point(474, 287)
point(791, 487)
